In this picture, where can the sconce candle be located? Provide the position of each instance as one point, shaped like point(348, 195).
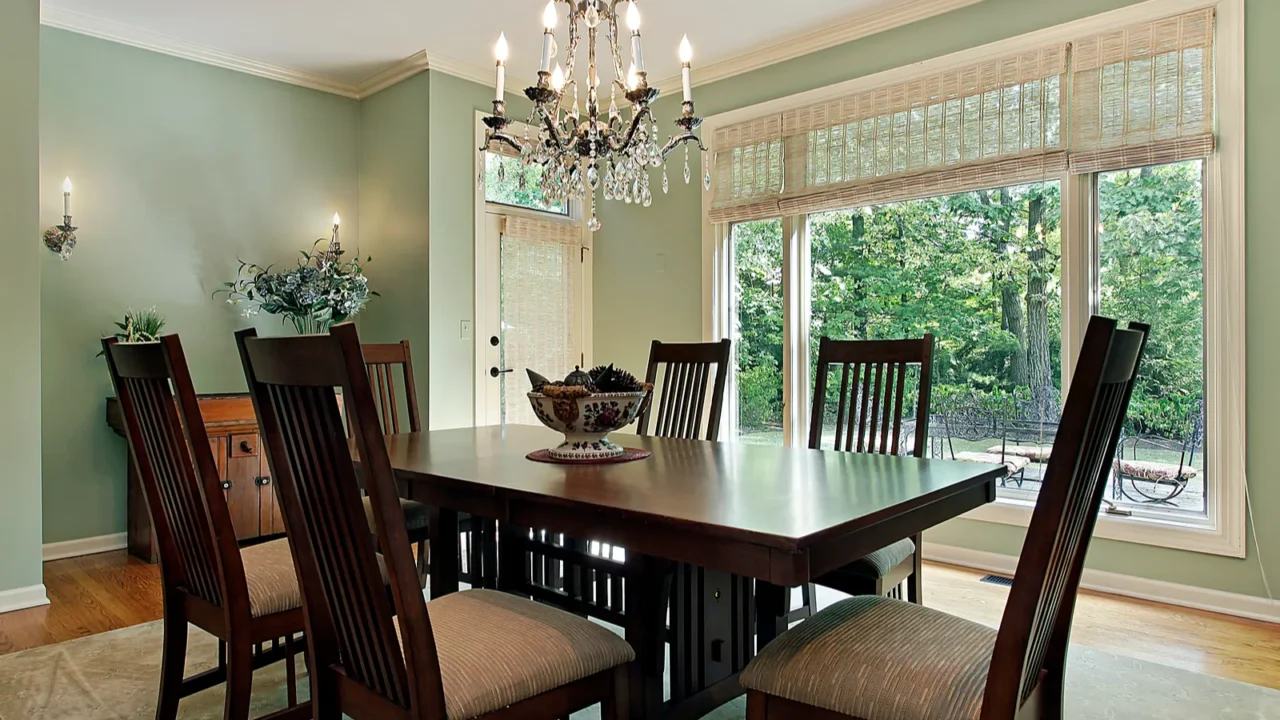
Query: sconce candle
point(66, 197)
point(61, 239)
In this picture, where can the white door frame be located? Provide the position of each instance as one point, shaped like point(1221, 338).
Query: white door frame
point(488, 284)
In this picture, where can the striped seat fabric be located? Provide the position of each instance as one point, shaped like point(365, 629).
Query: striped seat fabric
point(879, 659)
point(497, 649)
point(270, 577)
point(881, 562)
point(416, 515)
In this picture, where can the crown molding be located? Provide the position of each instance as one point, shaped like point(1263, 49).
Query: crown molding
point(829, 35)
point(394, 73)
point(127, 35)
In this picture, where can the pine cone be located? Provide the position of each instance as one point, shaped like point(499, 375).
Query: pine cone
point(609, 379)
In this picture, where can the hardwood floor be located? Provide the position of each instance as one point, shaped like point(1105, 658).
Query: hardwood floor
point(98, 593)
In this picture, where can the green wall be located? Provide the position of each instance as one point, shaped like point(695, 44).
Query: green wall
point(179, 169)
point(635, 303)
point(20, 186)
point(394, 227)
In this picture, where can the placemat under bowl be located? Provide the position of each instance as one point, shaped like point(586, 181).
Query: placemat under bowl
point(630, 455)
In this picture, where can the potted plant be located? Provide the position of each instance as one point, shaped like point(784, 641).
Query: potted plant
point(321, 291)
point(139, 326)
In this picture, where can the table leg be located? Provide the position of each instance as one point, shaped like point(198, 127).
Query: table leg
point(648, 593)
point(443, 531)
point(771, 612)
point(513, 561)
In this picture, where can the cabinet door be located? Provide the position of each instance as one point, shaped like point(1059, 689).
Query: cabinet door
point(241, 484)
point(271, 519)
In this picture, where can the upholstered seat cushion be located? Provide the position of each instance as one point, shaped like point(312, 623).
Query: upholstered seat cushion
point(415, 514)
point(1036, 453)
point(497, 649)
point(1013, 463)
point(879, 659)
point(879, 563)
point(270, 577)
point(1155, 471)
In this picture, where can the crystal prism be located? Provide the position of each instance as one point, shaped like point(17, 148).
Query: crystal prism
point(666, 184)
point(502, 172)
point(594, 224)
point(688, 174)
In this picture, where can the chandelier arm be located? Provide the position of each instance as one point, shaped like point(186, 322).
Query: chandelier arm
point(625, 144)
point(678, 140)
point(612, 37)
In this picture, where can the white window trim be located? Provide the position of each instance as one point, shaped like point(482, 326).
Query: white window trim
point(483, 303)
point(1224, 242)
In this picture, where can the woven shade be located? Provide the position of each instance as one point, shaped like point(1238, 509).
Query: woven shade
point(748, 169)
point(885, 142)
point(541, 317)
point(1143, 95)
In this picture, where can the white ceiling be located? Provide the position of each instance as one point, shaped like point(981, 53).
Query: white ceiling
point(351, 40)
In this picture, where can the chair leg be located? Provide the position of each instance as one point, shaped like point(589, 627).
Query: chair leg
point(616, 706)
point(239, 680)
point(915, 583)
point(757, 706)
point(173, 664)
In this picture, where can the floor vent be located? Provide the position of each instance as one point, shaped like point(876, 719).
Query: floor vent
point(998, 580)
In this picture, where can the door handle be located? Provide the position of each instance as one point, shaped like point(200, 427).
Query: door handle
point(495, 372)
point(494, 341)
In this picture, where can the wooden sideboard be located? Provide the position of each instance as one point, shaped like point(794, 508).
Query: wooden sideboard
point(232, 427)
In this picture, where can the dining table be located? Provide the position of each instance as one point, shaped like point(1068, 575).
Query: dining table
point(715, 536)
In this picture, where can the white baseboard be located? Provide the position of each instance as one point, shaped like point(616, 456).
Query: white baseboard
point(85, 546)
point(1245, 606)
point(22, 598)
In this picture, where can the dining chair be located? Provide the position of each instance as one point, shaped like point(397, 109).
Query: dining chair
point(245, 597)
point(472, 654)
point(877, 379)
point(382, 362)
point(877, 658)
point(680, 398)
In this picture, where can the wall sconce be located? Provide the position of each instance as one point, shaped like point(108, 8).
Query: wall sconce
point(61, 239)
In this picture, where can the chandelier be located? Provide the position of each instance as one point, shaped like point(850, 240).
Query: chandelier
point(599, 150)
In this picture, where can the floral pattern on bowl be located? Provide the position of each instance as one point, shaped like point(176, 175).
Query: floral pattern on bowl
point(587, 421)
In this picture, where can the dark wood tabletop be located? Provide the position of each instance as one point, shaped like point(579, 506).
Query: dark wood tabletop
point(743, 522)
point(786, 500)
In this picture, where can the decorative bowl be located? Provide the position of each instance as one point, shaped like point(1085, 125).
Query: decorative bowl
point(586, 421)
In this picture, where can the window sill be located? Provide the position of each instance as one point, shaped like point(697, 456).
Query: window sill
point(1172, 534)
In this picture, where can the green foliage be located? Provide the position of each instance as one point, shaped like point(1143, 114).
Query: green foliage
point(516, 184)
point(321, 291)
point(981, 272)
point(139, 326)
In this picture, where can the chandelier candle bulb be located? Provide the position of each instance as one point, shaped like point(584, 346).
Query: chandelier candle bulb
point(66, 197)
point(686, 68)
point(633, 22)
point(336, 222)
point(500, 52)
point(548, 35)
point(557, 78)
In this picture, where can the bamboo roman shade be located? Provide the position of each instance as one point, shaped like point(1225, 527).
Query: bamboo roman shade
point(1134, 96)
point(1143, 95)
point(541, 288)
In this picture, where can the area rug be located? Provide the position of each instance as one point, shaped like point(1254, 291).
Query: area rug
point(113, 676)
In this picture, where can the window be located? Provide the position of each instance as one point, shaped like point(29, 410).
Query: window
point(979, 270)
point(1121, 197)
point(508, 181)
point(1151, 266)
point(758, 334)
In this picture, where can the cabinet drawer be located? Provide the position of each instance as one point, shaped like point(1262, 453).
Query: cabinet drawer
point(243, 446)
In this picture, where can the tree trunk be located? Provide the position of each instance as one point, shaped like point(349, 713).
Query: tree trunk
point(859, 233)
point(1011, 317)
point(1039, 368)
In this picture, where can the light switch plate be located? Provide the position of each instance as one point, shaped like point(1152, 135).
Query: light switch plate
point(464, 329)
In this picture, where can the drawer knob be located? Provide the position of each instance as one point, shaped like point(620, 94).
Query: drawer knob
point(226, 484)
point(261, 481)
point(245, 447)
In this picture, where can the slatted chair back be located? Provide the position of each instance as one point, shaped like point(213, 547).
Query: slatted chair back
point(382, 363)
point(177, 471)
point(292, 381)
point(1032, 643)
point(873, 391)
point(680, 398)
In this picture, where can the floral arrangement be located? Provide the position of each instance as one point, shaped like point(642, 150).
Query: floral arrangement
point(139, 326)
point(322, 291)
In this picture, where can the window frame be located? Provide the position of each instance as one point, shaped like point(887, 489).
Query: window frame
point(1223, 532)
